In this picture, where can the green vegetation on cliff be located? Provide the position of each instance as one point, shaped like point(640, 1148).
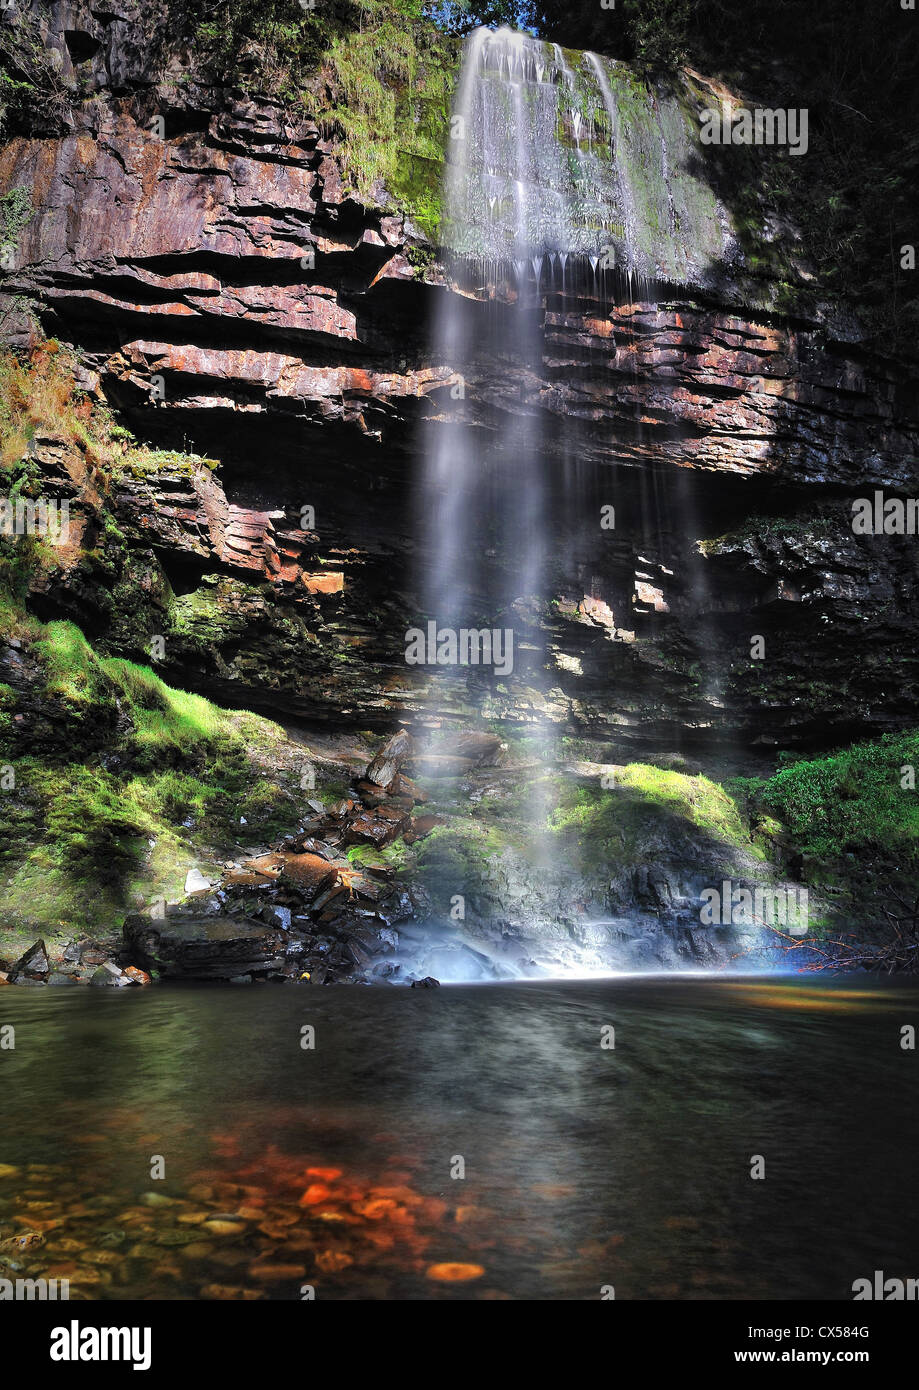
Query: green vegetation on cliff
point(33, 97)
point(114, 783)
point(600, 820)
point(375, 73)
point(39, 396)
point(121, 782)
point(847, 823)
point(858, 800)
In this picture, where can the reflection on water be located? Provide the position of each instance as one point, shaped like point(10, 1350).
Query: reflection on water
point(584, 1166)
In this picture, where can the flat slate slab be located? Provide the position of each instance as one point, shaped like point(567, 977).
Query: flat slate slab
point(205, 948)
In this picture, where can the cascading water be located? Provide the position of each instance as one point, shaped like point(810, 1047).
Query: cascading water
point(563, 173)
point(565, 179)
point(572, 155)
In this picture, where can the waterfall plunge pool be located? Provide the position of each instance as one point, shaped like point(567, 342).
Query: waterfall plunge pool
point(337, 1167)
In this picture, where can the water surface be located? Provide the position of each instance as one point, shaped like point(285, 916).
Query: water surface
point(584, 1166)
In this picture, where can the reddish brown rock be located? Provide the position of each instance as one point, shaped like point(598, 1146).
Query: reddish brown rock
point(329, 583)
point(385, 766)
point(249, 878)
point(404, 786)
point(421, 826)
point(376, 827)
point(310, 873)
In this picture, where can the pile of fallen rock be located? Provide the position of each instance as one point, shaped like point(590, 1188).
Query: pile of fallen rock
point(82, 962)
point(303, 912)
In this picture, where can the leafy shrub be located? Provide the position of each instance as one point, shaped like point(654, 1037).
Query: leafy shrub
point(851, 800)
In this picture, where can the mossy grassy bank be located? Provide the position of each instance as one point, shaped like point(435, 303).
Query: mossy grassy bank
point(847, 809)
point(177, 781)
point(122, 783)
point(845, 824)
point(114, 783)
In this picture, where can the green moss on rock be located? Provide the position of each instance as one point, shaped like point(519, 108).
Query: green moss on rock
point(172, 780)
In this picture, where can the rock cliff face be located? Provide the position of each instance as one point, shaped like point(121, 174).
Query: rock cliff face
point(228, 293)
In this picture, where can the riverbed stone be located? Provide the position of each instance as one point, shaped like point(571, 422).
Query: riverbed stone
point(33, 965)
point(110, 975)
point(384, 768)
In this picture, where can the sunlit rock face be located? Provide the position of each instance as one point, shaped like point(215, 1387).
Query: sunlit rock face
point(701, 443)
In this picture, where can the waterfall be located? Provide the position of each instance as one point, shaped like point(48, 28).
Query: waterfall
point(513, 198)
point(564, 174)
point(566, 179)
point(573, 153)
point(569, 185)
point(520, 175)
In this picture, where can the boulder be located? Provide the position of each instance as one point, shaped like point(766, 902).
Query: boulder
point(421, 826)
point(110, 975)
point(370, 794)
point(91, 954)
point(248, 878)
point(404, 786)
point(385, 766)
point(195, 883)
point(32, 965)
point(205, 948)
point(310, 874)
point(378, 826)
point(309, 845)
point(305, 871)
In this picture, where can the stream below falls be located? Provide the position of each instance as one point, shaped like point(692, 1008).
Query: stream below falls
point(289, 1168)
